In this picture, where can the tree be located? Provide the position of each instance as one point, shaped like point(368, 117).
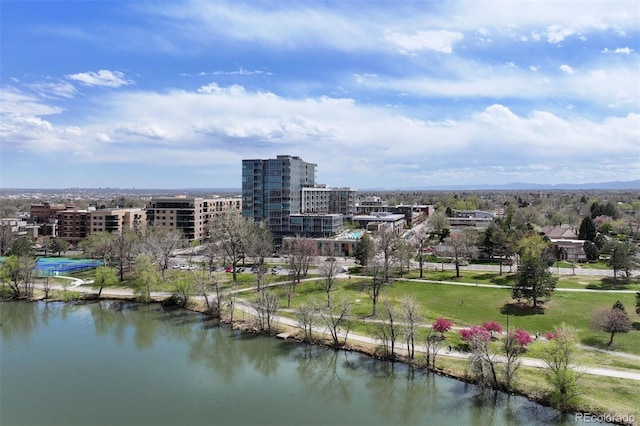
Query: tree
point(559, 356)
point(363, 250)
point(328, 271)
point(123, 245)
point(389, 328)
point(498, 244)
point(301, 253)
point(492, 327)
point(7, 237)
point(591, 251)
point(336, 318)
point(638, 303)
point(438, 223)
point(587, 229)
point(105, 277)
point(403, 254)
point(534, 282)
point(58, 245)
point(376, 284)
point(433, 345)
point(306, 314)
point(159, 243)
point(17, 271)
point(146, 277)
point(420, 243)
point(410, 319)
point(460, 244)
point(623, 258)
point(228, 233)
point(442, 325)
point(22, 246)
point(512, 351)
point(482, 360)
point(100, 246)
point(612, 321)
point(266, 306)
point(259, 246)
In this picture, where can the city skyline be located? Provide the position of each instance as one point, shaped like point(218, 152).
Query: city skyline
point(377, 94)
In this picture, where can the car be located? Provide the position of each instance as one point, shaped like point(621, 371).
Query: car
point(228, 269)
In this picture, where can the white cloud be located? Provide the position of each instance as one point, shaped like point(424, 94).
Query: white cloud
point(619, 50)
point(566, 69)
point(102, 78)
point(60, 89)
point(218, 126)
point(439, 40)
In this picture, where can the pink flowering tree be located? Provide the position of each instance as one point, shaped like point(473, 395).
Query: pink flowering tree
point(475, 332)
point(442, 325)
point(551, 335)
point(492, 327)
point(522, 338)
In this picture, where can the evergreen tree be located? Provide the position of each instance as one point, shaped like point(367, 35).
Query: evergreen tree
point(364, 249)
point(587, 229)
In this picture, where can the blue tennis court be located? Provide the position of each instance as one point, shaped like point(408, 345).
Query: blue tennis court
point(50, 266)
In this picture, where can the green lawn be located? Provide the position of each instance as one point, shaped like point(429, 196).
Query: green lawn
point(467, 306)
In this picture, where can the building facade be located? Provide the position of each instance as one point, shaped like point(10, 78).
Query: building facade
point(116, 221)
point(188, 215)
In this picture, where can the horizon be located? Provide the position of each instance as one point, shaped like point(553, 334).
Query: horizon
point(513, 186)
point(376, 93)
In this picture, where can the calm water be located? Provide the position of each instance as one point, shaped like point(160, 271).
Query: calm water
point(64, 364)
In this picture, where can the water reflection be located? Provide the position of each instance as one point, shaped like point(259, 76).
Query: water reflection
point(216, 365)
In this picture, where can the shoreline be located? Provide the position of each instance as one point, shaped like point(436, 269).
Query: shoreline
point(367, 349)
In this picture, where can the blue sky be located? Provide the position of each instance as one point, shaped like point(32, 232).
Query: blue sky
point(153, 94)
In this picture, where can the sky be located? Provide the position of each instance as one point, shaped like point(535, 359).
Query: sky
point(378, 94)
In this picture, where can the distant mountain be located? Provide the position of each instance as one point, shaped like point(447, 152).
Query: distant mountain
point(520, 186)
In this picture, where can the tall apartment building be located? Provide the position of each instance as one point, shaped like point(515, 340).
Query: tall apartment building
point(115, 221)
point(188, 215)
point(272, 190)
point(282, 192)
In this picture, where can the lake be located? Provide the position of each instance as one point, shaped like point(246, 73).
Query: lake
point(115, 363)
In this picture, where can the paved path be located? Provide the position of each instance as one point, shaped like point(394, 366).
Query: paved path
point(244, 307)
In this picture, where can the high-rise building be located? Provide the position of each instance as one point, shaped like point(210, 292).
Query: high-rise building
point(272, 190)
point(282, 192)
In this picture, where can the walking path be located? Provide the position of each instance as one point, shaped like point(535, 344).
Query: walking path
point(244, 307)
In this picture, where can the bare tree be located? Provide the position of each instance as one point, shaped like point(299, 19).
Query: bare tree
point(160, 243)
point(512, 351)
point(328, 270)
point(386, 243)
point(301, 253)
point(266, 306)
point(7, 237)
point(389, 328)
point(46, 286)
point(259, 246)
point(403, 254)
point(482, 360)
point(410, 319)
point(460, 244)
point(433, 345)
point(228, 234)
point(306, 314)
point(123, 245)
point(420, 243)
point(336, 318)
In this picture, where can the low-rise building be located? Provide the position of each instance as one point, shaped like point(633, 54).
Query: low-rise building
point(116, 221)
point(376, 220)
